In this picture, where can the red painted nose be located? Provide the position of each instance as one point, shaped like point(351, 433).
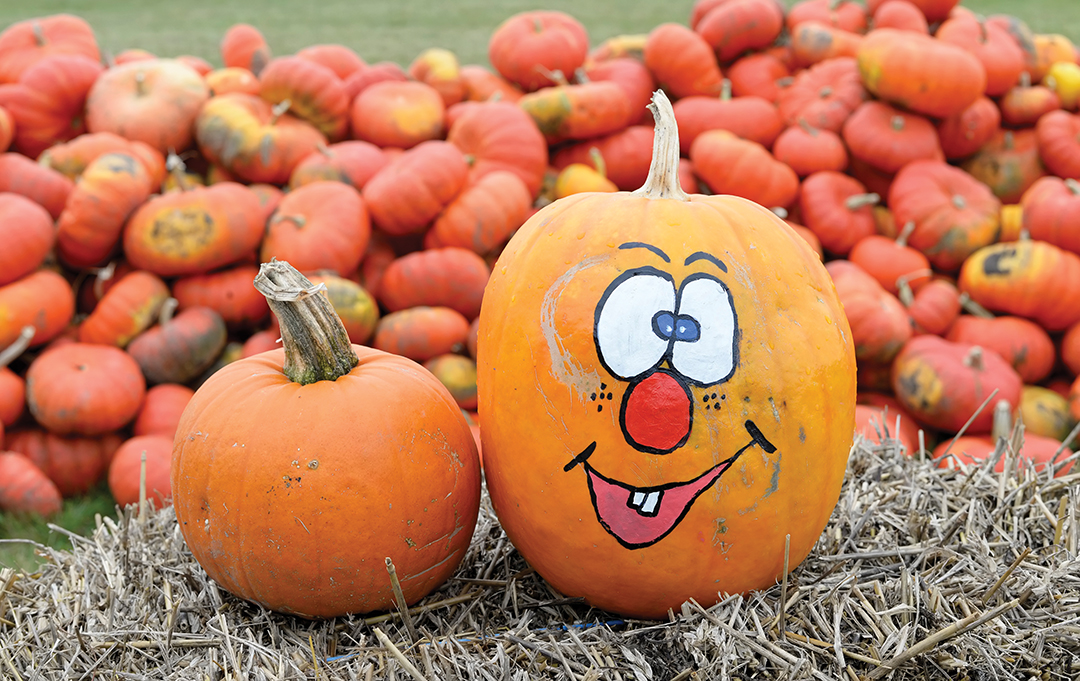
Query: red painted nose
point(656, 413)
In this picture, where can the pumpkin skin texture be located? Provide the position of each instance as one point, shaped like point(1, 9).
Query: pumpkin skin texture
point(181, 348)
point(681, 61)
point(84, 389)
point(26, 230)
point(920, 73)
point(1032, 279)
point(326, 453)
point(943, 383)
point(24, 43)
point(125, 470)
point(150, 101)
point(1045, 413)
point(25, 488)
point(243, 46)
point(576, 424)
point(732, 165)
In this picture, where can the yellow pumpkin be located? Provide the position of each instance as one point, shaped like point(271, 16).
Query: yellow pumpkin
point(1064, 79)
point(667, 387)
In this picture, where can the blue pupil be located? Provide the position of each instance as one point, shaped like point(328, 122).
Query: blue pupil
point(683, 328)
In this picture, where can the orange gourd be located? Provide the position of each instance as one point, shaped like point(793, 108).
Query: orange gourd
point(292, 445)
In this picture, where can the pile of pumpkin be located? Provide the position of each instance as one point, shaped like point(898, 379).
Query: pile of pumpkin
point(928, 154)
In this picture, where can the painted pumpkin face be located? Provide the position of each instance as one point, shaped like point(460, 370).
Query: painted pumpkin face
point(667, 389)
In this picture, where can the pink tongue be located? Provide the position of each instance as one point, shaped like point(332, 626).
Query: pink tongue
point(630, 527)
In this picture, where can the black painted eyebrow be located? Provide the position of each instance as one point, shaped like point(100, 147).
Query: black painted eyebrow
point(650, 247)
point(701, 255)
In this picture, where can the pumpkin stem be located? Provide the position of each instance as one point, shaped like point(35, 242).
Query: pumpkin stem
point(825, 92)
point(857, 201)
point(959, 202)
point(39, 33)
point(905, 233)
point(102, 275)
point(974, 359)
point(834, 4)
point(807, 128)
point(1002, 420)
point(779, 212)
point(22, 341)
point(973, 308)
point(725, 90)
point(904, 292)
point(298, 220)
point(140, 83)
point(897, 123)
point(1073, 186)
point(556, 76)
point(168, 309)
point(279, 110)
point(317, 347)
point(1025, 79)
point(598, 161)
point(174, 164)
point(1008, 141)
point(784, 82)
point(663, 179)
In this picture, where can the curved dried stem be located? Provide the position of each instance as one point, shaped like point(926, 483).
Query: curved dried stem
point(663, 179)
point(22, 341)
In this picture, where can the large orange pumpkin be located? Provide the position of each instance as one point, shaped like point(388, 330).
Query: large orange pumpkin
point(653, 428)
point(298, 471)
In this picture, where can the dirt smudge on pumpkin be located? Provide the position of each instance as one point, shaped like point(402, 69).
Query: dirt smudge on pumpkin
point(564, 367)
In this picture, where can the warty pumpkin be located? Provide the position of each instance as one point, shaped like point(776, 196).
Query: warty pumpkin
point(642, 439)
point(299, 475)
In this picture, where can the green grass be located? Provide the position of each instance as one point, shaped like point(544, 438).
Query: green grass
point(77, 516)
point(398, 30)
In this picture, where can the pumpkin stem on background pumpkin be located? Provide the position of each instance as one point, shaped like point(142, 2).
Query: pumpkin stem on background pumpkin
point(22, 341)
point(903, 286)
point(973, 308)
point(905, 233)
point(279, 110)
point(1073, 186)
point(598, 161)
point(974, 359)
point(1025, 79)
point(317, 347)
point(807, 128)
point(663, 179)
point(857, 201)
point(168, 308)
point(780, 212)
point(298, 220)
point(102, 275)
point(959, 201)
point(1002, 420)
point(140, 83)
point(725, 90)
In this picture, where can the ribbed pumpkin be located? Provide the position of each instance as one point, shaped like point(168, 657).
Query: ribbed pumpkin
point(1001, 56)
point(529, 46)
point(484, 215)
point(1049, 208)
point(1021, 342)
point(1045, 413)
point(398, 114)
point(933, 308)
point(243, 46)
point(127, 309)
point(888, 138)
point(72, 158)
point(500, 136)
point(631, 330)
point(192, 232)
point(42, 299)
point(732, 28)
point(1008, 163)
point(84, 389)
point(24, 488)
point(315, 93)
point(730, 165)
point(353, 162)
point(180, 348)
point(837, 208)
point(879, 324)
point(1058, 134)
point(228, 292)
point(40, 184)
point(440, 68)
point(48, 101)
point(626, 155)
point(751, 118)
point(1070, 349)
point(437, 277)
point(1026, 103)
point(577, 111)
point(920, 73)
point(943, 383)
point(24, 43)
point(320, 226)
point(410, 191)
point(823, 95)
point(954, 214)
point(887, 260)
point(421, 332)
point(808, 150)
point(681, 61)
point(232, 79)
point(153, 101)
point(75, 464)
point(325, 449)
point(1031, 279)
point(91, 227)
point(964, 133)
point(26, 230)
point(813, 42)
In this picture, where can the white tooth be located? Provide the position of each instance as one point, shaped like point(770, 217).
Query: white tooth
point(639, 498)
point(650, 502)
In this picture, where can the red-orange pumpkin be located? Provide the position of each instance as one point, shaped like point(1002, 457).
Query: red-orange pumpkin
point(126, 472)
point(422, 332)
point(681, 61)
point(500, 136)
point(837, 208)
point(730, 165)
point(438, 277)
point(181, 347)
point(964, 133)
point(24, 43)
point(244, 46)
point(1021, 342)
point(228, 292)
point(161, 410)
point(410, 191)
point(127, 309)
point(40, 184)
point(42, 299)
point(824, 95)
point(353, 162)
point(75, 464)
point(398, 114)
point(26, 230)
point(24, 488)
point(84, 389)
point(320, 226)
point(529, 47)
point(484, 215)
point(880, 325)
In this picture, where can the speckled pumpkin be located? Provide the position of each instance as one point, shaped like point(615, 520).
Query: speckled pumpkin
point(667, 387)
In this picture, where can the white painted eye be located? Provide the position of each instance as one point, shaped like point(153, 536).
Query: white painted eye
point(708, 353)
point(632, 319)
